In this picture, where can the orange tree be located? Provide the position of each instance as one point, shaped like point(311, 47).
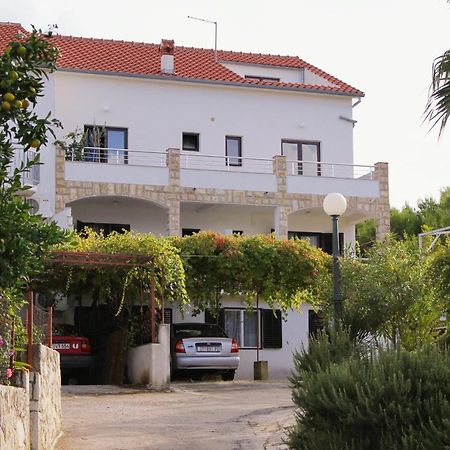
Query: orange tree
point(24, 238)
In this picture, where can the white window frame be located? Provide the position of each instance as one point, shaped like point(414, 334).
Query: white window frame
point(242, 325)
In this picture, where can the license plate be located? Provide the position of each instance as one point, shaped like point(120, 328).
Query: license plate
point(208, 348)
point(61, 346)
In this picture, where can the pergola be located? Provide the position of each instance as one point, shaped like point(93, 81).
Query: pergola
point(74, 259)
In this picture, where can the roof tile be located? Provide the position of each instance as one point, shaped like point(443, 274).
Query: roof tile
point(136, 58)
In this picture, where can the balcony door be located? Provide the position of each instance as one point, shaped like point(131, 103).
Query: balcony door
point(106, 144)
point(303, 157)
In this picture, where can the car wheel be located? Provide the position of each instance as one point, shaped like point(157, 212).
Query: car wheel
point(228, 376)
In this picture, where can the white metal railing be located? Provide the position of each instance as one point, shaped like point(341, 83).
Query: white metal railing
point(330, 170)
point(199, 161)
point(118, 156)
point(21, 158)
point(228, 163)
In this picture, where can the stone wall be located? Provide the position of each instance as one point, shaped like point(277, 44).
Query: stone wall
point(45, 398)
point(14, 418)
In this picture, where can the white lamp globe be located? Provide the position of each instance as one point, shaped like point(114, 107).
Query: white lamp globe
point(334, 204)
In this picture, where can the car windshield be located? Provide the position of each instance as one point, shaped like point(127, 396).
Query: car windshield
point(188, 330)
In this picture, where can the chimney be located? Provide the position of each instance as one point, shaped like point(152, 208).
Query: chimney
point(167, 59)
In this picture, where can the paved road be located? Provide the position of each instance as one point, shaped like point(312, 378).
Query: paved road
point(193, 416)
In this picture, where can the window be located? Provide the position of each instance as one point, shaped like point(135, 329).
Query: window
point(241, 324)
point(233, 151)
point(191, 142)
point(189, 231)
point(105, 228)
point(308, 155)
point(261, 78)
point(106, 144)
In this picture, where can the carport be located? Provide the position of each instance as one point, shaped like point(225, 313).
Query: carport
point(115, 356)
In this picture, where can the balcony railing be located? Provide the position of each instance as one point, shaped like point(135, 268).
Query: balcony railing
point(31, 177)
point(199, 161)
point(118, 156)
point(228, 163)
point(330, 170)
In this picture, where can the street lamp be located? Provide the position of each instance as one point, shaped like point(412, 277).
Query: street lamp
point(335, 205)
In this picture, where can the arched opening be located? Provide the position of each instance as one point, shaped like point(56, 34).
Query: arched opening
point(114, 213)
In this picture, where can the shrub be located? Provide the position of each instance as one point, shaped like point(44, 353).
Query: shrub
point(351, 399)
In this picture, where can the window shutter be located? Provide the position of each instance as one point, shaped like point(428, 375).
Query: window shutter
point(315, 323)
point(168, 315)
point(271, 329)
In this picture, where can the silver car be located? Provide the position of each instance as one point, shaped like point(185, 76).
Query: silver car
point(199, 348)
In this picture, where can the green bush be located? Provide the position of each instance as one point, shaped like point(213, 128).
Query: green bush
point(348, 398)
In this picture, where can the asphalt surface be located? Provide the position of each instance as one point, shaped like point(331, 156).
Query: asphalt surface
point(209, 415)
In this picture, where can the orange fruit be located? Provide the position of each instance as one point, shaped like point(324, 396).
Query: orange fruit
point(13, 75)
point(25, 103)
point(9, 97)
point(21, 51)
point(17, 104)
point(35, 143)
point(6, 106)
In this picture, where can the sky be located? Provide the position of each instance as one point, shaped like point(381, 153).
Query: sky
point(383, 47)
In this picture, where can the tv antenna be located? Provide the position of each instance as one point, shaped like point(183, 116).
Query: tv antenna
point(215, 32)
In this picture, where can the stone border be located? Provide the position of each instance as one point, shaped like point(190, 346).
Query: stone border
point(170, 197)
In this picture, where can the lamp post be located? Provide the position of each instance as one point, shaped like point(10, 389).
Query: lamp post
point(335, 205)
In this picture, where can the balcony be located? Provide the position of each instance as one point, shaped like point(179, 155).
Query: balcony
point(201, 171)
point(30, 177)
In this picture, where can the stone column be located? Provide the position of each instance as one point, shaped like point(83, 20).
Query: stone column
point(280, 170)
point(173, 218)
point(281, 222)
point(381, 174)
point(173, 163)
point(60, 179)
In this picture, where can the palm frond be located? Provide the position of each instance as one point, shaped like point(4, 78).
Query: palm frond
point(437, 110)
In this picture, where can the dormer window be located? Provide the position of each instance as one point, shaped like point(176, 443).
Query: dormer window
point(262, 78)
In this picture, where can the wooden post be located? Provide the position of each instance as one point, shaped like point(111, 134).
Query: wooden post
point(163, 286)
point(258, 331)
point(50, 326)
point(30, 328)
point(12, 344)
point(153, 308)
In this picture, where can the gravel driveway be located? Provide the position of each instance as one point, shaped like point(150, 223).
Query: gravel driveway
point(192, 416)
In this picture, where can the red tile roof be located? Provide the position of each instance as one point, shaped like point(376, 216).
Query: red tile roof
point(100, 55)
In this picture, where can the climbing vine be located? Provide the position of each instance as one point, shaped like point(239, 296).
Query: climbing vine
point(280, 272)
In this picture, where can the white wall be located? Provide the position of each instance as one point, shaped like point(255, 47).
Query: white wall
point(157, 112)
point(142, 216)
point(110, 173)
point(228, 180)
point(45, 194)
point(312, 78)
point(294, 335)
point(222, 218)
point(286, 75)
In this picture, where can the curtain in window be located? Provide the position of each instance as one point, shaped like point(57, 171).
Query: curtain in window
point(233, 324)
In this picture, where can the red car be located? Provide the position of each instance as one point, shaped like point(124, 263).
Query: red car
point(75, 351)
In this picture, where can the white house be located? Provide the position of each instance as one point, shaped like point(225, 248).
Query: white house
point(181, 139)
